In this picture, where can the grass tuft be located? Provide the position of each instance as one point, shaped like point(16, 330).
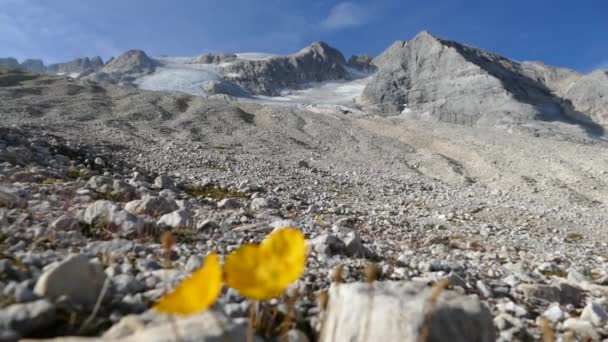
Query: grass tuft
point(211, 192)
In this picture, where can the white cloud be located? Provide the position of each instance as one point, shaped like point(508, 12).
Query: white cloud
point(344, 15)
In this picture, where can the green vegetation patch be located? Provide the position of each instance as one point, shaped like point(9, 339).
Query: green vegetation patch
point(212, 192)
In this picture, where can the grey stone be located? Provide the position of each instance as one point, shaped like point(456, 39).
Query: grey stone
point(554, 313)
point(99, 161)
point(582, 327)
point(326, 244)
point(86, 279)
point(151, 205)
point(126, 283)
point(398, 314)
point(353, 246)
point(193, 263)
point(164, 182)
point(295, 335)
point(484, 289)
point(10, 200)
point(105, 213)
point(181, 218)
point(229, 203)
point(100, 183)
point(65, 223)
point(595, 313)
point(207, 326)
point(116, 247)
point(207, 224)
point(562, 293)
point(259, 204)
point(28, 318)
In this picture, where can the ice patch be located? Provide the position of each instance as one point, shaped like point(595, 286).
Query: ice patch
point(185, 80)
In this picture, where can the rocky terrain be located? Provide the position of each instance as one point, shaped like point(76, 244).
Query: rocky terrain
point(503, 204)
point(438, 79)
point(76, 68)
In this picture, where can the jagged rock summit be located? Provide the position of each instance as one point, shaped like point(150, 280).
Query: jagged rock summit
point(125, 68)
point(75, 68)
point(316, 63)
point(433, 78)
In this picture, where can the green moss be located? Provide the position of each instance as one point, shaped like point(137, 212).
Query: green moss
point(211, 192)
point(561, 274)
point(52, 181)
point(75, 173)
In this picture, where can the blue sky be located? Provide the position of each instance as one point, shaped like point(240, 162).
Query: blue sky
point(571, 34)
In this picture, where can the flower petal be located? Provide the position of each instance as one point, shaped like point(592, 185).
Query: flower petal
point(196, 293)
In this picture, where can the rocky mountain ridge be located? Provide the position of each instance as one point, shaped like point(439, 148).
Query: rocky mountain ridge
point(437, 79)
point(427, 77)
point(76, 67)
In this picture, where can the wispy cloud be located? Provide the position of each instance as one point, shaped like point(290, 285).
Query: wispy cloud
point(344, 15)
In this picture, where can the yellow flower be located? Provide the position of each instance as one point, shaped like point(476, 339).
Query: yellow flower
point(196, 293)
point(264, 271)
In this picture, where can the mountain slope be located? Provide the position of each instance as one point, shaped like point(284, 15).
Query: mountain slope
point(446, 81)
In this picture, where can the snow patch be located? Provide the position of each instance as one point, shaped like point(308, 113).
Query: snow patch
point(255, 56)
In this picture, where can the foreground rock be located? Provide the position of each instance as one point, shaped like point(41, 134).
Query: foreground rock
point(205, 327)
point(395, 311)
point(23, 319)
point(438, 79)
point(76, 277)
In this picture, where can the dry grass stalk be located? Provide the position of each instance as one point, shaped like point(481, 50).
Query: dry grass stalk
point(338, 279)
point(568, 336)
point(287, 322)
point(546, 331)
point(102, 294)
point(438, 288)
point(339, 274)
point(167, 241)
point(252, 321)
point(323, 300)
point(371, 274)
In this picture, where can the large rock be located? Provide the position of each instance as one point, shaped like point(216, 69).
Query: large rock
point(75, 277)
point(441, 80)
point(151, 205)
point(8, 199)
point(397, 313)
point(28, 318)
point(204, 327)
point(181, 218)
point(107, 214)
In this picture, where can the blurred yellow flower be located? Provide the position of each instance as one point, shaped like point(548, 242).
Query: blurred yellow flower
point(196, 293)
point(264, 271)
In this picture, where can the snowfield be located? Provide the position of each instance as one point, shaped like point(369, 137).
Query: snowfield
point(179, 74)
